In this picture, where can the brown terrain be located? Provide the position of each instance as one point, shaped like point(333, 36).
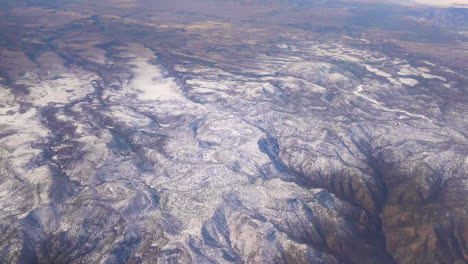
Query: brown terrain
point(210, 131)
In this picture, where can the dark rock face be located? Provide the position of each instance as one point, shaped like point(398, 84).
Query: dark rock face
point(232, 132)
